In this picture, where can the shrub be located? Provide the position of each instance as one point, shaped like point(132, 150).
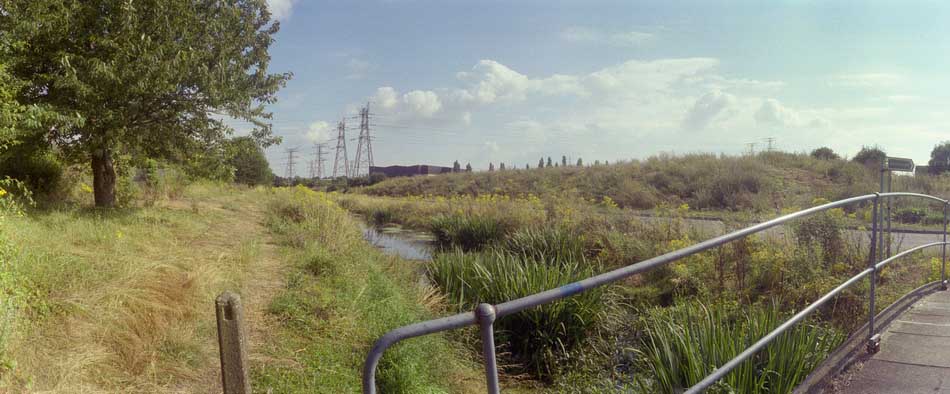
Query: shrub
point(36, 166)
point(249, 163)
point(824, 232)
point(538, 338)
point(467, 232)
point(870, 156)
point(825, 153)
point(683, 344)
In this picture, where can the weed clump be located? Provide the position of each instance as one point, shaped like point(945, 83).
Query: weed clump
point(537, 338)
point(467, 232)
point(685, 343)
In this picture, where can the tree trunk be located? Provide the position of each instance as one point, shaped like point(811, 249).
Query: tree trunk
point(103, 178)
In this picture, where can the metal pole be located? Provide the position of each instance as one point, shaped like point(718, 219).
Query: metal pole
point(888, 217)
point(943, 265)
point(486, 317)
point(879, 255)
point(872, 344)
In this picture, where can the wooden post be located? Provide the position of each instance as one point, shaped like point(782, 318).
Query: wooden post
point(232, 344)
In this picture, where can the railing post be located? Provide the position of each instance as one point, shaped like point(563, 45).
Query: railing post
point(943, 264)
point(231, 343)
point(873, 344)
point(485, 314)
point(888, 216)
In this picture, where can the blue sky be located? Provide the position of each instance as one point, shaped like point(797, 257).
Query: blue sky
point(494, 81)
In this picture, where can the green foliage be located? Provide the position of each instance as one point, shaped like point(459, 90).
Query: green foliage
point(342, 292)
point(468, 232)
point(547, 244)
point(870, 156)
point(250, 164)
point(14, 196)
point(825, 153)
point(940, 158)
point(149, 79)
point(33, 162)
point(822, 232)
point(538, 338)
point(685, 343)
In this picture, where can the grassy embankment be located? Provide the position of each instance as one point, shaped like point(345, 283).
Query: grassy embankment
point(341, 295)
point(122, 300)
point(713, 186)
point(496, 248)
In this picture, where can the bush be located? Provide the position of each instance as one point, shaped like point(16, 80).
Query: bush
point(870, 156)
point(538, 338)
point(684, 344)
point(825, 153)
point(823, 232)
point(36, 166)
point(250, 164)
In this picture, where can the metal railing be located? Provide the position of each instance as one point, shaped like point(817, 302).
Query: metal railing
point(485, 315)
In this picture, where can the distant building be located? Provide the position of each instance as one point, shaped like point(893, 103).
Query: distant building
point(922, 170)
point(418, 169)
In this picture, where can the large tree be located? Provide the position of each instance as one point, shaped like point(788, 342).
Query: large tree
point(149, 78)
point(940, 158)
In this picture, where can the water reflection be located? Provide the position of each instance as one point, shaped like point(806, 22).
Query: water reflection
point(395, 240)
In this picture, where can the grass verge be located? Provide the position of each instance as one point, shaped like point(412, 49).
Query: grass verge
point(341, 295)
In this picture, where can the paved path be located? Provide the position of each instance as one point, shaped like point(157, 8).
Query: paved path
point(914, 355)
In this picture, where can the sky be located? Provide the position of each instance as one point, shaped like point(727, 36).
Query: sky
point(513, 81)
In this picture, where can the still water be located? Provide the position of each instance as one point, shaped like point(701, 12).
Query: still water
point(395, 240)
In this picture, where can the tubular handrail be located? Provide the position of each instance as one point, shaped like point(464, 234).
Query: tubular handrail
point(486, 314)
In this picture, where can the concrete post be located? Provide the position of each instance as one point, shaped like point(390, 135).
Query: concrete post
point(232, 343)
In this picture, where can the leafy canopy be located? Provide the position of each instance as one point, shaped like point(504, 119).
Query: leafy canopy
point(149, 78)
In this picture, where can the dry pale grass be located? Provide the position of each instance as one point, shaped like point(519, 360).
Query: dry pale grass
point(129, 296)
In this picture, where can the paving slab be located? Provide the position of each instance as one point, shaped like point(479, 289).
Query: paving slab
point(914, 355)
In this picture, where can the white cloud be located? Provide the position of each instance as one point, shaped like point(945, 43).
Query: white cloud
point(902, 98)
point(490, 81)
point(706, 109)
point(866, 80)
point(318, 131)
point(280, 9)
point(585, 35)
point(773, 113)
point(386, 97)
point(414, 104)
point(494, 81)
point(424, 103)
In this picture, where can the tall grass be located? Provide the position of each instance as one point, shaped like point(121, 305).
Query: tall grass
point(341, 295)
point(538, 338)
point(551, 244)
point(467, 232)
point(685, 343)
